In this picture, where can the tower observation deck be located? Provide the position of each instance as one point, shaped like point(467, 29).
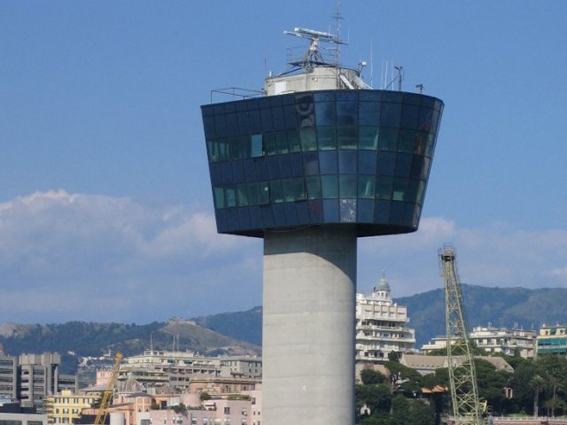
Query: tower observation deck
point(317, 162)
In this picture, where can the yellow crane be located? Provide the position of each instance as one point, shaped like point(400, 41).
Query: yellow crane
point(102, 410)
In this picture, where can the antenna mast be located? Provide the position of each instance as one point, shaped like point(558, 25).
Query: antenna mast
point(460, 361)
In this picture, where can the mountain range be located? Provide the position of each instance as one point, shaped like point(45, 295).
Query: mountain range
point(240, 333)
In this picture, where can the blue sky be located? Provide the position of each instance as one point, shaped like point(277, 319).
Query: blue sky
point(105, 205)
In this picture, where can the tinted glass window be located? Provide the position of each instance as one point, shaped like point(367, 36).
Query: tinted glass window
point(347, 113)
point(232, 124)
point(242, 195)
point(368, 138)
point(365, 210)
point(369, 113)
point(270, 147)
point(281, 142)
point(305, 110)
point(255, 121)
point(403, 165)
point(347, 186)
point(347, 210)
point(315, 211)
point(308, 139)
point(328, 162)
point(400, 188)
point(410, 116)
point(313, 187)
point(293, 141)
point(382, 212)
point(347, 162)
point(220, 126)
point(296, 165)
point(327, 138)
point(311, 163)
point(238, 172)
point(329, 185)
point(267, 120)
point(388, 139)
point(325, 113)
point(366, 186)
point(386, 163)
point(230, 197)
point(391, 113)
point(256, 145)
point(243, 123)
point(331, 210)
point(384, 187)
point(278, 116)
point(264, 193)
point(290, 117)
point(366, 162)
point(276, 193)
point(285, 166)
point(218, 193)
point(348, 137)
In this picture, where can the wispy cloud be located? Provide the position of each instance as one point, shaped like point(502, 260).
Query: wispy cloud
point(88, 257)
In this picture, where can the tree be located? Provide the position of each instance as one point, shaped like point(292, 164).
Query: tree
point(400, 410)
point(537, 384)
point(205, 396)
point(554, 372)
point(371, 377)
point(378, 398)
point(421, 414)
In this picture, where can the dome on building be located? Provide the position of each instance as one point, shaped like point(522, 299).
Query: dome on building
point(383, 285)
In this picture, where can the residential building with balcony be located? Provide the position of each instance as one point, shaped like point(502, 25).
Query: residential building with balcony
point(66, 407)
point(552, 339)
point(381, 326)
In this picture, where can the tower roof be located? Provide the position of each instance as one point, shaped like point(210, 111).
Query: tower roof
point(383, 285)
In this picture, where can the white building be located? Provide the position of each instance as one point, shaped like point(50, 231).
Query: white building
point(381, 325)
point(495, 340)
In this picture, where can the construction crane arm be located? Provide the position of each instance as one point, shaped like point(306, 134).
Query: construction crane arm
point(102, 410)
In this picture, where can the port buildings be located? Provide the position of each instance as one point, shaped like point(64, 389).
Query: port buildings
point(381, 326)
point(316, 162)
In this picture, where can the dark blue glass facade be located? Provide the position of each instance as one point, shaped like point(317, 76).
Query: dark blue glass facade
point(356, 157)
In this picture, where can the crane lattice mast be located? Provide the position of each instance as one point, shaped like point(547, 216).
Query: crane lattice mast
point(102, 410)
point(467, 409)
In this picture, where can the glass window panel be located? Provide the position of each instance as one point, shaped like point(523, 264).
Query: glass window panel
point(207, 110)
point(218, 193)
point(244, 218)
point(348, 137)
point(412, 98)
point(367, 162)
point(329, 185)
point(391, 113)
point(408, 139)
point(328, 162)
point(243, 123)
point(369, 113)
point(213, 151)
point(347, 186)
point(416, 166)
point(276, 193)
point(430, 145)
point(250, 171)
point(209, 124)
point(365, 210)
point(420, 192)
point(368, 138)
point(397, 213)
point(366, 186)
point(256, 145)
point(324, 96)
point(221, 219)
point(290, 117)
point(347, 162)
point(267, 216)
point(219, 108)
point(386, 163)
point(425, 119)
point(311, 164)
point(224, 151)
point(255, 121)
point(235, 148)
point(242, 195)
point(302, 213)
point(315, 211)
point(427, 101)
point(370, 95)
point(220, 125)
point(291, 214)
point(425, 168)
point(275, 100)
point(279, 215)
point(347, 210)
point(261, 169)
point(400, 189)
point(382, 212)
point(384, 185)
point(287, 187)
point(238, 172)
point(296, 165)
point(413, 187)
point(270, 147)
point(346, 95)
point(216, 173)
point(255, 217)
point(267, 120)
point(226, 170)
point(313, 187)
point(403, 165)
point(293, 141)
point(392, 96)
point(410, 116)
point(264, 193)
point(298, 190)
point(252, 192)
point(285, 166)
point(305, 109)
point(281, 142)
point(388, 139)
point(230, 196)
point(420, 143)
point(327, 138)
point(278, 115)
point(325, 113)
point(244, 105)
point(308, 139)
point(245, 146)
point(232, 216)
point(232, 125)
point(416, 215)
point(230, 107)
point(331, 210)
point(347, 113)
point(273, 166)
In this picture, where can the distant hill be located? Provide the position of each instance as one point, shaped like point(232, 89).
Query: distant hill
point(502, 307)
point(93, 339)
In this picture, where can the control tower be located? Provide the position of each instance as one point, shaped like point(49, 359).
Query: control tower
point(318, 161)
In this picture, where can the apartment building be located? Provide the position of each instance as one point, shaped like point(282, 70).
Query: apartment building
point(381, 325)
point(552, 339)
point(66, 407)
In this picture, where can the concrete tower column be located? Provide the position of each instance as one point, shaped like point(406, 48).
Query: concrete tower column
point(308, 326)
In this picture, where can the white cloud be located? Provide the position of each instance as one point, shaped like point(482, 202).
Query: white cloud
point(88, 257)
